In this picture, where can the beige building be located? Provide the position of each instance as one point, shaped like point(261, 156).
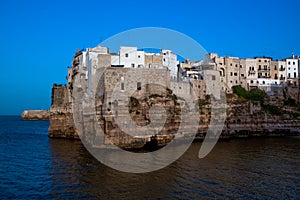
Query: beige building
point(232, 71)
point(263, 64)
point(251, 73)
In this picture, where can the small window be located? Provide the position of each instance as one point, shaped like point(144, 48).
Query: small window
point(295, 76)
point(231, 73)
point(236, 82)
point(293, 63)
point(139, 56)
point(241, 66)
point(122, 86)
point(265, 60)
point(264, 82)
point(242, 75)
point(275, 68)
point(236, 65)
point(235, 74)
point(230, 64)
point(213, 77)
point(251, 81)
point(126, 55)
point(132, 65)
point(139, 86)
point(289, 62)
point(259, 60)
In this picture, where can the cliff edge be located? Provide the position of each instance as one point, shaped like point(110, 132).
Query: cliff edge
point(35, 115)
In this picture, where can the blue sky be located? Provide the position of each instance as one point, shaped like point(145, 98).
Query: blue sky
point(39, 38)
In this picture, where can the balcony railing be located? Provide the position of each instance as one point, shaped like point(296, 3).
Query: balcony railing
point(251, 71)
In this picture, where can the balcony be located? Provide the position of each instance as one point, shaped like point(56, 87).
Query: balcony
point(251, 71)
point(282, 78)
point(281, 69)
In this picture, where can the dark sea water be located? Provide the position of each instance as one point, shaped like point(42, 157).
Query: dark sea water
point(32, 166)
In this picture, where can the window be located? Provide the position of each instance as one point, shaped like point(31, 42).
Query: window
point(213, 77)
point(236, 65)
point(275, 68)
point(259, 67)
point(241, 66)
point(235, 74)
point(289, 75)
point(295, 76)
point(139, 56)
point(251, 81)
point(293, 63)
point(122, 83)
point(289, 62)
point(230, 73)
point(264, 82)
point(236, 82)
point(126, 55)
point(265, 60)
point(230, 64)
point(132, 65)
point(259, 60)
point(139, 86)
point(242, 75)
point(266, 74)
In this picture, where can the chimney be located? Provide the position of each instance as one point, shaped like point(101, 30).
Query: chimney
point(293, 56)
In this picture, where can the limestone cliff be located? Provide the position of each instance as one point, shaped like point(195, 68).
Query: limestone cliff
point(35, 115)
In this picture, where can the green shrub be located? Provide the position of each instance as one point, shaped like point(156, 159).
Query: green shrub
point(134, 101)
point(290, 102)
point(254, 94)
point(274, 110)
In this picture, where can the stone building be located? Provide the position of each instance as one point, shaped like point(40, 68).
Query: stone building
point(251, 73)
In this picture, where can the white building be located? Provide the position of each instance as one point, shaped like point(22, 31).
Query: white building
point(292, 72)
point(131, 57)
point(170, 61)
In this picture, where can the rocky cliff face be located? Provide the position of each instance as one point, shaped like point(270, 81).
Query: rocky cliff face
point(35, 115)
point(61, 116)
point(244, 119)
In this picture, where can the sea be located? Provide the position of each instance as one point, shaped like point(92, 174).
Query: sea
point(33, 166)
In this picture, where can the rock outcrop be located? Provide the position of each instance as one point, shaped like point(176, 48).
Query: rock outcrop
point(35, 115)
